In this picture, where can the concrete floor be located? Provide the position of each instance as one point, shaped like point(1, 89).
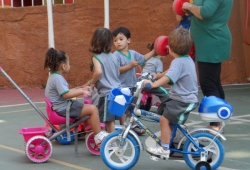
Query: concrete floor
point(13, 117)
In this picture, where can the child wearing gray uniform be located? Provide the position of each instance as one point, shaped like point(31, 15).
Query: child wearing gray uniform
point(106, 73)
point(184, 88)
point(58, 92)
point(154, 65)
point(128, 60)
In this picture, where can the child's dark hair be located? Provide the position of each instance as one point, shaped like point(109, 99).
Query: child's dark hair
point(180, 41)
point(92, 64)
point(122, 30)
point(101, 41)
point(150, 46)
point(54, 58)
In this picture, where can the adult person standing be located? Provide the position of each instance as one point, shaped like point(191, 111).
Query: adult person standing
point(212, 39)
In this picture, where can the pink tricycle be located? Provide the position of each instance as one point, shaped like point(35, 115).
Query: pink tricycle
point(38, 139)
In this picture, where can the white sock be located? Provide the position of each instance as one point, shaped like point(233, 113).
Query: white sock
point(165, 146)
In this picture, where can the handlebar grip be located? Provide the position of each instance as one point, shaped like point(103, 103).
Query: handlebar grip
point(148, 85)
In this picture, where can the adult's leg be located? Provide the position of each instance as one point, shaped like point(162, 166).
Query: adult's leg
point(209, 78)
point(219, 86)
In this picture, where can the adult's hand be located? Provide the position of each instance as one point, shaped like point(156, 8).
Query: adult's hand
point(194, 9)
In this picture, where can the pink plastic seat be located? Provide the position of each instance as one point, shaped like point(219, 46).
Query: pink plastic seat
point(53, 117)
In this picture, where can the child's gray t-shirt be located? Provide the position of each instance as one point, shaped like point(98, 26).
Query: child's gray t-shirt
point(57, 86)
point(182, 73)
point(153, 65)
point(110, 73)
point(128, 78)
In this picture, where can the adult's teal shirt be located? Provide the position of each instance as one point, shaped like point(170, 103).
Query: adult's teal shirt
point(211, 34)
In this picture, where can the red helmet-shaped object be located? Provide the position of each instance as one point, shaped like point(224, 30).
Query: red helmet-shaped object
point(177, 6)
point(160, 46)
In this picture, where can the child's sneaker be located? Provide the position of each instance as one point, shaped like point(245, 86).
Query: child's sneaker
point(159, 151)
point(138, 130)
point(113, 145)
point(99, 137)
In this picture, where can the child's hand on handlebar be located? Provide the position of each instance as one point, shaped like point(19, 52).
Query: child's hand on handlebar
point(88, 88)
point(147, 82)
point(87, 92)
point(154, 75)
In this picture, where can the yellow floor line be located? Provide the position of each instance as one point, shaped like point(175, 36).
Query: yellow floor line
point(50, 159)
point(12, 149)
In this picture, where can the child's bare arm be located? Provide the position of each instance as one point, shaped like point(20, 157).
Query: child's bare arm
point(75, 92)
point(150, 54)
point(159, 75)
point(98, 71)
point(162, 81)
point(85, 86)
point(139, 68)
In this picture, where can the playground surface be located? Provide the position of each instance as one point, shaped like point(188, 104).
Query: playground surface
point(16, 112)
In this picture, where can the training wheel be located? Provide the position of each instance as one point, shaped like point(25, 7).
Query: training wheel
point(202, 165)
point(160, 46)
point(177, 6)
point(62, 139)
point(90, 143)
point(38, 149)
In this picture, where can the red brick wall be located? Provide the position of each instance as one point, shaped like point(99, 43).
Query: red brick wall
point(24, 37)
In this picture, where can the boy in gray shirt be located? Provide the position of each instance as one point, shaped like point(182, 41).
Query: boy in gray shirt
point(128, 60)
point(182, 78)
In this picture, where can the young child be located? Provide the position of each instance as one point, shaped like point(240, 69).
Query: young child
point(184, 88)
point(128, 60)
point(58, 92)
point(154, 65)
point(106, 73)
